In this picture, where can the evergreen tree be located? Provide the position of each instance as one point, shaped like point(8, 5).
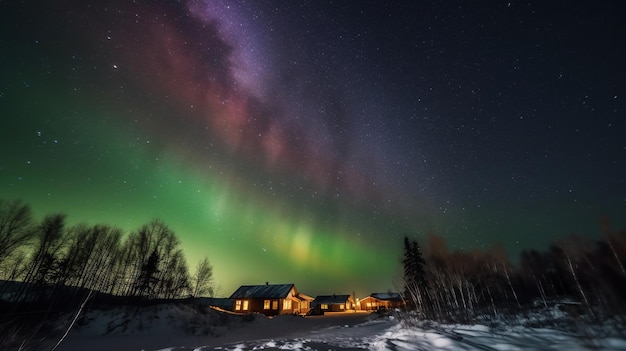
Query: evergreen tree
point(415, 283)
point(148, 276)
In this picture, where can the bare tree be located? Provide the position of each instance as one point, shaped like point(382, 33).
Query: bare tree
point(501, 264)
point(15, 227)
point(100, 269)
point(203, 279)
point(177, 280)
point(572, 250)
point(152, 265)
point(148, 277)
point(531, 265)
point(49, 240)
point(611, 240)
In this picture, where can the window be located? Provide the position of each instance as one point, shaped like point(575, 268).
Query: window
point(324, 306)
point(237, 305)
point(342, 307)
point(245, 305)
point(369, 304)
point(286, 304)
point(266, 304)
point(274, 304)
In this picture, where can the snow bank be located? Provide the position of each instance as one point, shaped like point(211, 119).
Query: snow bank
point(480, 337)
point(166, 318)
point(186, 328)
point(150, 327)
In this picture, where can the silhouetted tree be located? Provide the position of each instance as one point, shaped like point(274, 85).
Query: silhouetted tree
point(533, 269)
point(415, 283)
point(15, 227)
point(177, 281)
point(616, 244)
point(203, 279)
point(148, 276)
point(100, 273)
point(572, 252)
point(502, 267)
point(140, 245)
point(49, 240)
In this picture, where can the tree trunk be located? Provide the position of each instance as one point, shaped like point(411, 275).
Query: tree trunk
point(578, 285)
point(508, 279)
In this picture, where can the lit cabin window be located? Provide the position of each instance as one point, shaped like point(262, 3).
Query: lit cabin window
point(245, 305)
point(324, 306)
point(275, 304)
point(342, 307)
point(266, 304)
point(286, 304)
point(237, 305)
point(369, 304)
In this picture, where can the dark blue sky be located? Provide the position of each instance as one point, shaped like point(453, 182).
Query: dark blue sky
point(507, 117)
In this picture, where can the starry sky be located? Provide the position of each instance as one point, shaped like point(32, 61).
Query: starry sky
point(299, 141)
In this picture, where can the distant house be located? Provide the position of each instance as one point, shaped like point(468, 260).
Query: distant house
point(377, 301)
point(332, 303)
point(270, 299)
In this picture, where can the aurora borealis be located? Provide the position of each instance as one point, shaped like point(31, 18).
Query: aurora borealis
point(298, 142)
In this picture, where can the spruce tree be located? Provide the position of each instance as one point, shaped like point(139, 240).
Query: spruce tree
point(148, 276)
point(415, 283)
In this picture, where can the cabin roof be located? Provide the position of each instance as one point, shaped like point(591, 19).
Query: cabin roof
point(389, 296)
point(332, 299)
point(267, 291)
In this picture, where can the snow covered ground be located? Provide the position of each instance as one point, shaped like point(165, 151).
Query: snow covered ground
point(182, 328)
point(391, 335)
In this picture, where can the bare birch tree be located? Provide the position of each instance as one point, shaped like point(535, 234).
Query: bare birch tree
point(15, 227)
point(203, 279)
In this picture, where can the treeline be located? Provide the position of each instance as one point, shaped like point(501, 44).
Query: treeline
point(48, 263)
point(461, 285)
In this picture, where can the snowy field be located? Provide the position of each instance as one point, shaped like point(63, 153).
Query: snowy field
point(182, 328)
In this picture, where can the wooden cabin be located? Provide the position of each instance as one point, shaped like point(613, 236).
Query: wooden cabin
point(379, 301)
point(270, 299)
point(332, 303)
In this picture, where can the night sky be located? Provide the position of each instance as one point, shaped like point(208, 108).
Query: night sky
point(299, 141)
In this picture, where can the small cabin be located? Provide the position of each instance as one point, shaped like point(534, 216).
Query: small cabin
point(378, 301)
point(332, 303)
point(270, 299)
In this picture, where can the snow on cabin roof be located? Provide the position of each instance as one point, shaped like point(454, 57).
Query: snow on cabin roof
point(267, 291)
point(386, 296)
point(332, 299)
